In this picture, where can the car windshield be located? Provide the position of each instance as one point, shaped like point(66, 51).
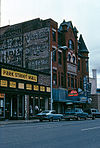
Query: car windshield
point(45, 111)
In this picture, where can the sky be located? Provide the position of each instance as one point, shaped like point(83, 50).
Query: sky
point(84, 14)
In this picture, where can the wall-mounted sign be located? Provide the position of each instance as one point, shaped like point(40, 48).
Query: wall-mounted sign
point(28, 86)
point(3, 83)
point(48, 89)
point(73, 93)
point(2, 95)
point(42, 88)
point(18, 75)
point(12, 84)
point(21, 85)
point(36, 87)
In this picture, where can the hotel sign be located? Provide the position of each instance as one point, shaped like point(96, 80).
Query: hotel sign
point(18, 75)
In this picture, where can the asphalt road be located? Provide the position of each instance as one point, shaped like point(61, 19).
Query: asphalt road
point(64, 134)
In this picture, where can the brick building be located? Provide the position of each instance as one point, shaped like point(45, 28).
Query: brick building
point(28, 45)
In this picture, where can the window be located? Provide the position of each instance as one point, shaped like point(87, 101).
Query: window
point(72, 81)
point(62, 80)
point(87, 66)
point(69, 57)
point(74, 59)
point(59, 78)
point(78, 65)
point(59, 58)
point(71, 44)
point(75, 82)
point(54, 35)
point(54, 79)
point(68, 80)
point(54, 54)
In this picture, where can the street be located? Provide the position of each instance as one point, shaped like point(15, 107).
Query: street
point(64, 134)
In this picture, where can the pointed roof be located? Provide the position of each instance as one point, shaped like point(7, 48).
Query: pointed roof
point(82, 45)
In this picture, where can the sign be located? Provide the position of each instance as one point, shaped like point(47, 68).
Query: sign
point(18, 75)
point(48, 89)
point(2, 95)
point(36, 87)
point(42, 88)
point(3, 83)
point(28, 86)
point(73, 93)
point(21, 85)
point(12, 84)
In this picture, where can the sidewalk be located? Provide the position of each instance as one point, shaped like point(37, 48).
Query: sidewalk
point(18, 121)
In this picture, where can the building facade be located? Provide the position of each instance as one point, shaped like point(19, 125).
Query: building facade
point(29, 45)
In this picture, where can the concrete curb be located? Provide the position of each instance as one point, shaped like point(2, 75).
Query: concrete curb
point(18, 121)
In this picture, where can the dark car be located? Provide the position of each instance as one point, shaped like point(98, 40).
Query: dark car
point(49, 115)
point(75, 114)
point(93, 112)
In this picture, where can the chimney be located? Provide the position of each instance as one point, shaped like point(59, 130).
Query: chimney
point(94, 72)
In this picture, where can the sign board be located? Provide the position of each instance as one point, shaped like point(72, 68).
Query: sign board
point(18, 75)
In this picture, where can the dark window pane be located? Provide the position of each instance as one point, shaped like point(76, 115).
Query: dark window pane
point(55, 79)
point(59, 58)
point(54, 35)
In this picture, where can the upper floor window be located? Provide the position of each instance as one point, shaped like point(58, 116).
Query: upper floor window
point(54, 54)
point(74, 59)
point(70, 44)
point(59, 58)
point(54, 79)
point(78, 64)
point(87, 70)
point(54, 35)
point(69, 57)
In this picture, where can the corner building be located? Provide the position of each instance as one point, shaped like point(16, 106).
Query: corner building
point(29, 44)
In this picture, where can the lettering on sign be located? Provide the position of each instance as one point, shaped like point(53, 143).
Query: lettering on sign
point(21, 85)
point(3, 83)
point(37, 49)
point(36, 87)
point(18, 75)
point(12, 84)
point(48, 89)
point(28, 86)
point(2, 95)
point(42, 88)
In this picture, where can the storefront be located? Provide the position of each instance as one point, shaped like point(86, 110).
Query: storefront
point(21, 93)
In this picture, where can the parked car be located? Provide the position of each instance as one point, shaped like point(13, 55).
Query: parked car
point(90, 114)
point(49, 115)
point(93, 112)
point(75, 114)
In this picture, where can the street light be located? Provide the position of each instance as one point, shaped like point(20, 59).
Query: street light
point(64, 48)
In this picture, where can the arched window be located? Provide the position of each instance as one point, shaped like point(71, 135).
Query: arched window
point(71, 44)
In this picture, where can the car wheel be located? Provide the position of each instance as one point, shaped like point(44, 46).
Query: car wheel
point(78, 118)
point(93, 117)
point(41, 120)
point(51, 120)
point(59, 119)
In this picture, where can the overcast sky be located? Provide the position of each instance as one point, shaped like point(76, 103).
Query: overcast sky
point(84, 14)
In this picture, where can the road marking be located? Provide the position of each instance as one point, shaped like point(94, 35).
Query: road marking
point(92, 128)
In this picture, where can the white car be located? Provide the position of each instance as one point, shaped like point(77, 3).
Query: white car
point(49, 115)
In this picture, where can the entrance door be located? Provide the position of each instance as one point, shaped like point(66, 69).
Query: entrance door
point(7, 107)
